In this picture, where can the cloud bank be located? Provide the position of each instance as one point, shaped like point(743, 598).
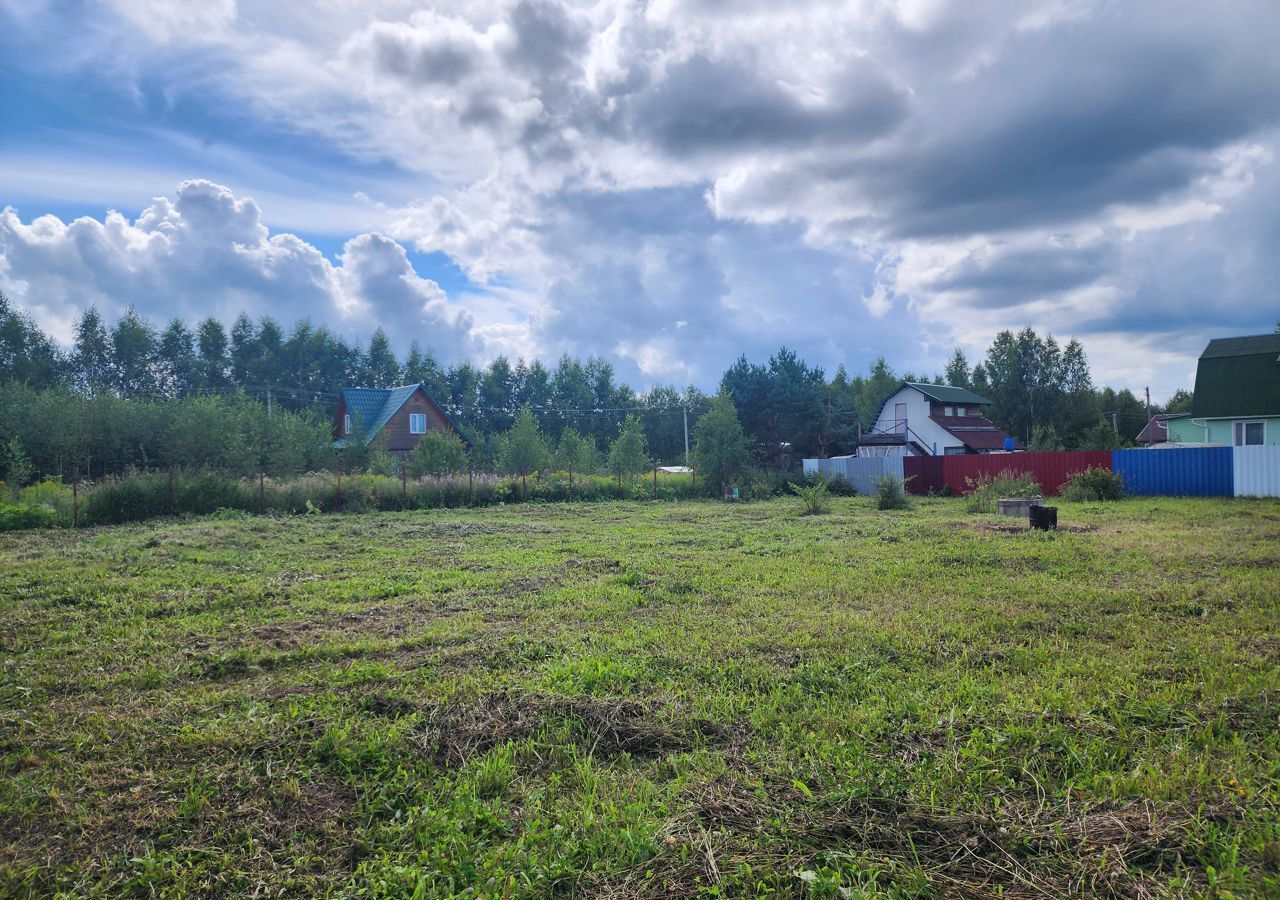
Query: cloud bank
point(671, 183)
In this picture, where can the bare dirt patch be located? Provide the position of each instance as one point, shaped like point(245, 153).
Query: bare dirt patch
point(457, 730)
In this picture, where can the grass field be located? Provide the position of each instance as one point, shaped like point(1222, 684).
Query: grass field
point(642, 699)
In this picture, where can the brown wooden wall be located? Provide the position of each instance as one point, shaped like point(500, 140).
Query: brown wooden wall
point(397, 427)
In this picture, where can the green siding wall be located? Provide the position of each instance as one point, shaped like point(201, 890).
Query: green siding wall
point(1184, 431)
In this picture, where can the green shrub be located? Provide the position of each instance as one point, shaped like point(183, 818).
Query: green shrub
point(814, 497)
point(1093, 484)
point(1009, 484)
point(19, 517)
point(891, 492)
point(837, 485)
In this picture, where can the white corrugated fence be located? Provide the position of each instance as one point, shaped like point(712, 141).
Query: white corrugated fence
point(1256, 471)
point(858, 471)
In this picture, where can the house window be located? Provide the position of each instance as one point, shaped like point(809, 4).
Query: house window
point(959, 410)
point(1249, 434)
point(417, 423)
point(948, 411)
point(346, 424)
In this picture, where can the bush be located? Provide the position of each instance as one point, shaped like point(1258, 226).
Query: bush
point(1093, 484)
point(815, 497)
point(985, 490)
point(16, 518)
point(839, 486)
point(891, 492)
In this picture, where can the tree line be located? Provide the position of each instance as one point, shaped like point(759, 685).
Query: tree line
point(130, 394)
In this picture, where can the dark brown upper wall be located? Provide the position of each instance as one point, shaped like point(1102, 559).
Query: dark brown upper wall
point(337, 416)
point(397, 427)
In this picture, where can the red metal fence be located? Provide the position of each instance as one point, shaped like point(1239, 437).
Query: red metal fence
point(924, 474)
point(1051, 470)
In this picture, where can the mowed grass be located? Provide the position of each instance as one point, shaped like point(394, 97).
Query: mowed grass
point(641, 699)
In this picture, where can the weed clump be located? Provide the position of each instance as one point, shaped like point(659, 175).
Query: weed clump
point(1009, 484)
point(891, 492)
point(816, 498)
point(1093, 485)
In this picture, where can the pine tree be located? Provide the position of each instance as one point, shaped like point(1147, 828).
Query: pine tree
point(381, 365)
point(176, 358)
point(213, 365)
point(92, 360)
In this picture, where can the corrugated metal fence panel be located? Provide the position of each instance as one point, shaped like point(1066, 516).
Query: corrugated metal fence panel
point(1049, 469)
point(861, 472)
point(1256, 471)
point(1188, 471)
point(924, 474)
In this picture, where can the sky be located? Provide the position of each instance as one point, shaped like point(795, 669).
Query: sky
point(665, 184)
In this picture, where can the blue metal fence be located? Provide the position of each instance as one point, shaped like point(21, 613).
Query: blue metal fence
point(1188, 471)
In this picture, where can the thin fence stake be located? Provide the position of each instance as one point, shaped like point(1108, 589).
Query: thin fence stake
point(75, 495)
point(262, 490)
point(655, 482)
point(172, 503)
point(404, 484)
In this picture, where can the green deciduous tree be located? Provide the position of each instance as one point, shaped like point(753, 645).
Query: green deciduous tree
point(524, 449)
point(26, 353)
point(575, 453)
point(629, 454)
point(440, 452)
point(720, 448)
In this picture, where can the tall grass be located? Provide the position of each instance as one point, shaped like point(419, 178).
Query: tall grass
point(985, 490)
point(149, 495)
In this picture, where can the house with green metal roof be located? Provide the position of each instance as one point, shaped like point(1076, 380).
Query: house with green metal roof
point(402, 414)
point(1237, 396)
point(920, 419)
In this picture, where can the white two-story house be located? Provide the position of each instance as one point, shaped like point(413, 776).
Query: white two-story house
point(933, 420)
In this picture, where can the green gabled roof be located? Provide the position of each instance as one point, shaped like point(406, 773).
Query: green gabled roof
point(1242, 346)
point(396, 398)
point(364, 406)
point(1238, 376)
point(945, 393)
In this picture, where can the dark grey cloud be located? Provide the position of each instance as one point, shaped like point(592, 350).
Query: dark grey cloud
point(1067, 125)
point(1004, 278)
point(444, 62)
point(728, 106)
